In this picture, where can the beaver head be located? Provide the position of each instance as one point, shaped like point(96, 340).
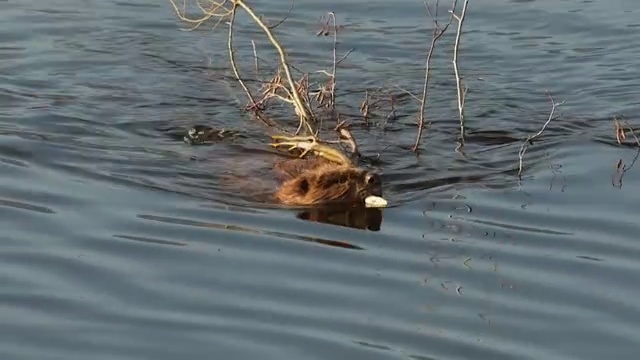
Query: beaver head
point(331, 184)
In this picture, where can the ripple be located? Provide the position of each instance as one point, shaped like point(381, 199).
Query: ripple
point(25, 206)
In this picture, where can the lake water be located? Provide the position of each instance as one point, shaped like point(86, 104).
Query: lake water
point(120, 241)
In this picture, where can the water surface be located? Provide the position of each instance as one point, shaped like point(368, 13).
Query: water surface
point(120, 241)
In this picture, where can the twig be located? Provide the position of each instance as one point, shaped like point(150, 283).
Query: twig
point(392, 113)
point(529, 140)
point(335, 63)
point(461, 93)
point(621, 170)
point(621, 167)
point(255, 56)
point(437, 33)
point(621, 133)
point(285, 17)
point(344, 56)
point(346, 136)
point(328, 91)
point(364, 107)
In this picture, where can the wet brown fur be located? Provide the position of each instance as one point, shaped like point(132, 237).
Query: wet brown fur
point(309, 182)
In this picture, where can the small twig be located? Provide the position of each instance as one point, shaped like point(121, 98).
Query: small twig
point(364, 107)
point(461, 93)
point(621, 133)
point(285, 17)
point(335, 63)
point(328, 91)
point(346, 136)
point(437, 33)
point(392, 113)
point(344, 56)
point(529, 140)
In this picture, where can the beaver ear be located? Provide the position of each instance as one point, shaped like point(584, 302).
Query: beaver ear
point(303, 186)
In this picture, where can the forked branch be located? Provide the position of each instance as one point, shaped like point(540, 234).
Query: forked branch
point(529, 139)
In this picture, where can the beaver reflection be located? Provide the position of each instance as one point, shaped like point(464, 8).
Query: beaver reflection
point(358, 218)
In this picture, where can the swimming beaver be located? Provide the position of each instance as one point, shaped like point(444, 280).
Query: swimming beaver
point(311, 182)
point(327, 177)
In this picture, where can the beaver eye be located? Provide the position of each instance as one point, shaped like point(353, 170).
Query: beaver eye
point(372, 179)
point(304, 186)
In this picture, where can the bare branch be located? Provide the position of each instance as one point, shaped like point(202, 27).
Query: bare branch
point(461, 93)
point(437, 33)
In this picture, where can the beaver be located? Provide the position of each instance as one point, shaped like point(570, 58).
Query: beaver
point(317, 182)
point(311, 181)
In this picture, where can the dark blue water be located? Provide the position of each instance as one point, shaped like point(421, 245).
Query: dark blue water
point(119, 241)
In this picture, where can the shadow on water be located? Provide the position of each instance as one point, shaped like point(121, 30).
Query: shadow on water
point(120, 240)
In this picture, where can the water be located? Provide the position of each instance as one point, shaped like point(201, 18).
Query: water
point(119, 241)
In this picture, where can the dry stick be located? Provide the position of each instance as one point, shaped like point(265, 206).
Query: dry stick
point(437, 33)
point(301, 108)
point(461, 94)
point(529, 139)
point(255, 56)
